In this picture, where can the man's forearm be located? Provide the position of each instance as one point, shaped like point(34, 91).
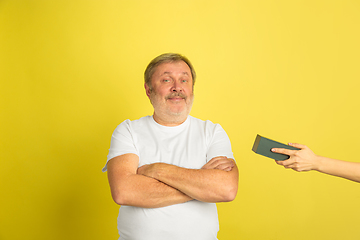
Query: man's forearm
point(146, 192)
point(207, 185)
point(129, 188)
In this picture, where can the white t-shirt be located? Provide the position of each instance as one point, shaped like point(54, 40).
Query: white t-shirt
point(190, 145)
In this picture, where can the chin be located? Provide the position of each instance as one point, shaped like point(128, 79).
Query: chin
point(176, 114)
point(178, 111)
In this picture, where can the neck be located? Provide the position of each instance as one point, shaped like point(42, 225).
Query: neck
point(169, 121)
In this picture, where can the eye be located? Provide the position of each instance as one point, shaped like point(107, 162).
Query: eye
point(184, 80)
point(166, 80)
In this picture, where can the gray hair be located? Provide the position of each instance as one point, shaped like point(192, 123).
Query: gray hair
point(166, 58)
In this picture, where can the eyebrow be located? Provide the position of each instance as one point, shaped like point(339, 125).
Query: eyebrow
point(164, 73)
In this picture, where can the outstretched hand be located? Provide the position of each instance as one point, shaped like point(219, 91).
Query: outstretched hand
point(300, 160)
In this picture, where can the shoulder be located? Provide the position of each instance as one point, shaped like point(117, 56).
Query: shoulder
point(130, 125)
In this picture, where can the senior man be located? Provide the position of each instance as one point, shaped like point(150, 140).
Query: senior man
point(168, 170)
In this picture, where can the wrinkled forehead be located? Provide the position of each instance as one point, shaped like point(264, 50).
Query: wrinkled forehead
point(179, 68)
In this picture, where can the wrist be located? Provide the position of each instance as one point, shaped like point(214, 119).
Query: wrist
point(319, 163)
point(157, 170)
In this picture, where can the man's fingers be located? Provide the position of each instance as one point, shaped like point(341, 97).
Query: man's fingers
point(227, 166)
point(215, 159)
point(219, 163)
point(228, 169)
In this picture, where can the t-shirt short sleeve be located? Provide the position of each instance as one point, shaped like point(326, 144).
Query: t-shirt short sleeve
point(219, 143)
point(122, 142)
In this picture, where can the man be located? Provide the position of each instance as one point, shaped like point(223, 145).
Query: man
point(168, 170)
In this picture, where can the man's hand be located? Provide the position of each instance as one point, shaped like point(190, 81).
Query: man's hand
point(221, 163)
point(300, 160)
point(150, 170)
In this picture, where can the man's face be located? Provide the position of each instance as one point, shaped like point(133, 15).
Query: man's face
point(172, 91)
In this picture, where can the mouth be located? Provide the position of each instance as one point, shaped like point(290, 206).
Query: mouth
point(176, 97)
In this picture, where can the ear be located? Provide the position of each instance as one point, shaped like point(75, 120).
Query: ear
point(148, 90)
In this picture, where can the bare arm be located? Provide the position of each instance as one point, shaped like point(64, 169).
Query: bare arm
point(306, 160)
point(217, 181)
point(129, 188)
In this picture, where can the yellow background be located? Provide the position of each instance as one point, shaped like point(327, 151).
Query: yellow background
point(71, 71)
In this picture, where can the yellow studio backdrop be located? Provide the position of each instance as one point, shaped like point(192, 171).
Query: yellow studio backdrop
point(71, 71)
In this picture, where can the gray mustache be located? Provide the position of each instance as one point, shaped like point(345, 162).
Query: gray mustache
point(176, 95)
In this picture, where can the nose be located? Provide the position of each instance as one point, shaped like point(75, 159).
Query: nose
point(176, 87)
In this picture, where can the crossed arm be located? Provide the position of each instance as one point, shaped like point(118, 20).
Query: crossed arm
point(305, 160)
point(160, 184)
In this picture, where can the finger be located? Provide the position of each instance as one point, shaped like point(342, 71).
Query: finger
point(295, 167)
point(279, 162)
point(286, 163)
point(216, 162)
point(140, 170)
point(297, 145)
point(216, 159)
point(228, 169)
point(289, 166)
point(225, 166)
point(284, 151)
point(219, 165)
